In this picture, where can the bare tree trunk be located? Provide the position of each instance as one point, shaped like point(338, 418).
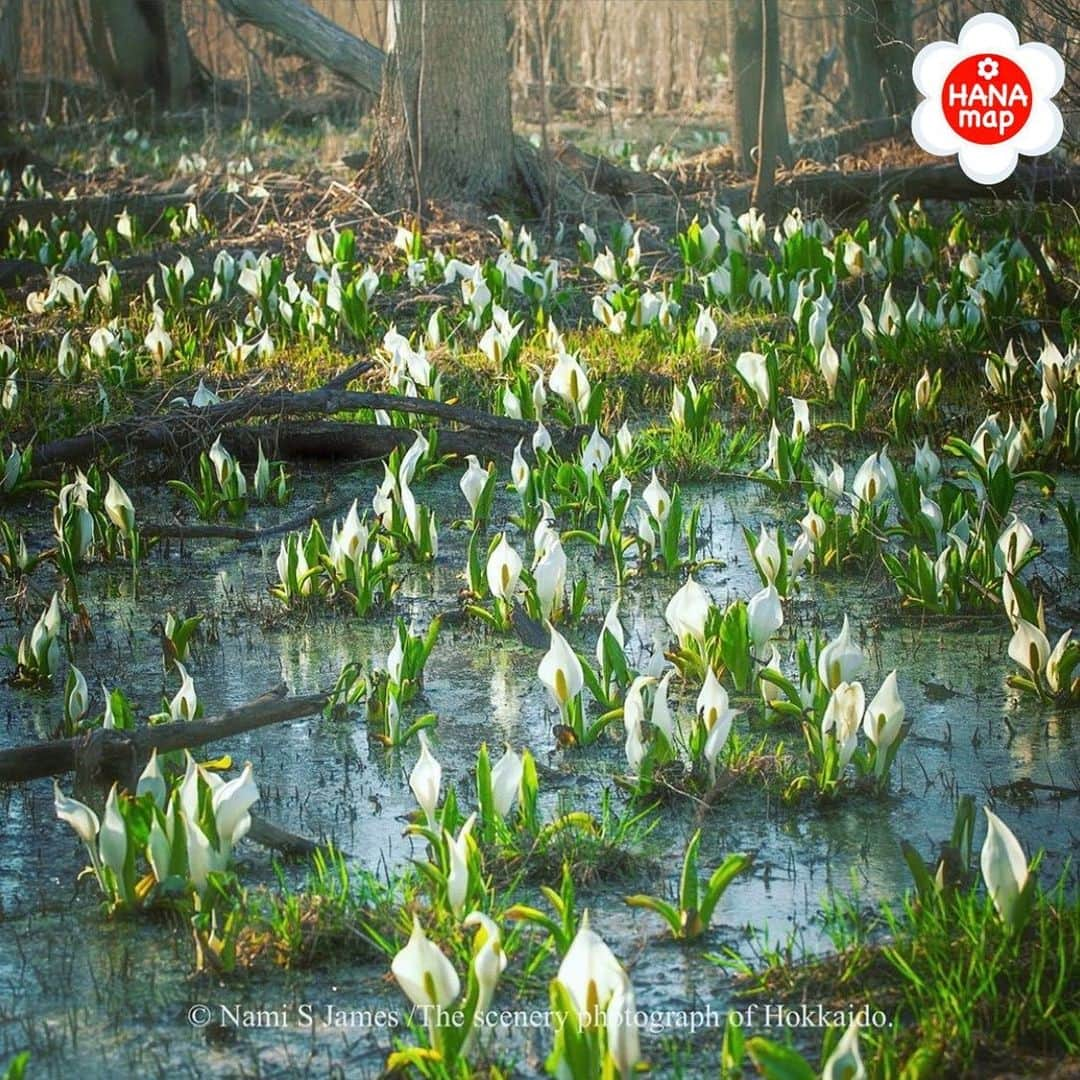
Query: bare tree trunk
point(141, 48)
point(897, 54)
point(878, 52)
point(447, 75)
point(181, 63)
point(744, 72)
point(745, 40)
point(771, 87)
point(10, 55)
point(10, 51)
point(863, 71)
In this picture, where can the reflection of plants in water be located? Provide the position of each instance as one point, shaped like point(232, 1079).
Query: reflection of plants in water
point(390, 690)
point(966, 971)
point(947, 537)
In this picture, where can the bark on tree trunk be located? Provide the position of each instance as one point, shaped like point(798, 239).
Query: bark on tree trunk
point(877, 48)
point(10, 51)
point(744, 58)
point(745, 30)
point(10, 55)
point(897, 55)
point(443, 127)
point(141, 48)
point(771, 87)
point(863, 73)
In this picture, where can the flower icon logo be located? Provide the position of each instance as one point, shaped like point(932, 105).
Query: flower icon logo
point(987, 98)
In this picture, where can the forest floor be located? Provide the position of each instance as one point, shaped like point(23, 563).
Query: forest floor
point(813, 453)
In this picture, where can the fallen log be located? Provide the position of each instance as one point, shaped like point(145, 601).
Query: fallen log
point(560, 182)
point(837, 192)
point(1037, 183)
point(604, 177)
point(102, 756)
point(183, 427)
point(334, 440)
point(274, 836)
point(829, 145)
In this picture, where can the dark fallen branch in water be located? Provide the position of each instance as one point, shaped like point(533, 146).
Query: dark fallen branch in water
point(1025, 788)
point(269, 835)
point(330, 440)
point(102, 756)
point(181, 428)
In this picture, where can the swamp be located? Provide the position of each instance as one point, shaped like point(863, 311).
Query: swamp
point(560, 597)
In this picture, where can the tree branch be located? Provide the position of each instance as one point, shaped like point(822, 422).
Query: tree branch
point(112, 754)
point(314, 36)
point(182, 426)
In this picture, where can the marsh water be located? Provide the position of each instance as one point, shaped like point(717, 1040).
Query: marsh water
point(114, 996)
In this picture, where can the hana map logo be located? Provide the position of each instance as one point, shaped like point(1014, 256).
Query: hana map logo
point(987, 98)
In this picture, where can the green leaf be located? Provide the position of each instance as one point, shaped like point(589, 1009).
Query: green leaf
point(425, 721)
point(924, 1064)
point(720, 879)
point(734, 1048)
point(596, 729)
point(778, 1062)
point(789, 688)
point(662, 908)
point(688, 884)
point(924, 883)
